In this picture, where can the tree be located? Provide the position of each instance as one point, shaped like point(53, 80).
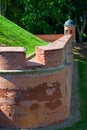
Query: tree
point(78, 12)
point(15, 9)
point(3, 7)
point(46, 16)
point(81, 18)
point(42, 16)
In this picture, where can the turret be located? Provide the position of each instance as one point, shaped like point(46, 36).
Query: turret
point(69, 28)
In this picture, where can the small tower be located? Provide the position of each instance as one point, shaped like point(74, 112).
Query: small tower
point(69, 28)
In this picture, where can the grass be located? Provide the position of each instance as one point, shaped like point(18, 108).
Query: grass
point(82, 124)
point(13, 35)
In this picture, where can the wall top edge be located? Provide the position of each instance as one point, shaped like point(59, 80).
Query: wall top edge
point(58, 44)
point(12, 49)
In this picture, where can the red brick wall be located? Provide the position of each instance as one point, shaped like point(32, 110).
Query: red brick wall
point(54, 53)
point(38, 97)
point(50, 37)
point(33, 101)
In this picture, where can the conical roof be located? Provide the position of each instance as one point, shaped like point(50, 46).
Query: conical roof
point(69, 23)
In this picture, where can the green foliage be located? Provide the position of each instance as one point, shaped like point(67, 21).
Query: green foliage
point(32, 14)
point(84, 35)
point(46, 16)
point(13, 35)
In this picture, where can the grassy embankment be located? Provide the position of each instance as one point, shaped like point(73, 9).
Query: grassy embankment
point(13, 35)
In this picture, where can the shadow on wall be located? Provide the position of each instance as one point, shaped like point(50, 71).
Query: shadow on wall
point(4, 120)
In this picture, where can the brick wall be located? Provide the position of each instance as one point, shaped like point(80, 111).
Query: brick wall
point(12, 58)
point(53, 54)
point(38, 94)
point(50, 37)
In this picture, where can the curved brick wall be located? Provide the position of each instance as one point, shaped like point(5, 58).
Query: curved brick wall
point(38, 95)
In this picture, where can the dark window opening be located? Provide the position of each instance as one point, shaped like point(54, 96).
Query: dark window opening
point(66, 31)
point(9, 114)
point(70, 31)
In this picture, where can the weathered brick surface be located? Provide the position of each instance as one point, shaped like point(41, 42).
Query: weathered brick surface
point(12, 58)
point(34, 101)
point(46, 57)
point(37, 99)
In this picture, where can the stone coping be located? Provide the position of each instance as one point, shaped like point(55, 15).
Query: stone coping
point(35, 71)
point(12, 49)
point(57, 45)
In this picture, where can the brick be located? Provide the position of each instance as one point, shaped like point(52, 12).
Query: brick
point(35, 100)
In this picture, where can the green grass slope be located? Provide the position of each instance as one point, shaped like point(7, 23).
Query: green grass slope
point(13, 35)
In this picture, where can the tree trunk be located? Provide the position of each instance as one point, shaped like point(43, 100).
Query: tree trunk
point(3, 7)
point(0, 7)
point(80, 38)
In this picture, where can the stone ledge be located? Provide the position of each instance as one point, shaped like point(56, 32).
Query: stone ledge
point(12, 49)
point(35, 71)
